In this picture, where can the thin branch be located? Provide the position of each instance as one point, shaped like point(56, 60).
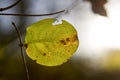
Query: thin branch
point(12, 14)
point(22, 52)
point(10, 6)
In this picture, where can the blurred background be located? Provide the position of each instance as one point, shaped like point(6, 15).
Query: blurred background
point(98, 55)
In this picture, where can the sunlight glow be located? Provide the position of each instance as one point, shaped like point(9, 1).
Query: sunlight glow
point(105, 32)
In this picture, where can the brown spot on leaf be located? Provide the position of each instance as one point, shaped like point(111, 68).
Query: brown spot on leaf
point(68, 50)
point(44, 54)
point(67, 39)
point(63, 42)
point(74, 38)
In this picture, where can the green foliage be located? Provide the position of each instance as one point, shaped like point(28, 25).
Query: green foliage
point(51, 45)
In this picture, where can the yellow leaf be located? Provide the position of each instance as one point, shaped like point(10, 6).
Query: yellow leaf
point(51, 45)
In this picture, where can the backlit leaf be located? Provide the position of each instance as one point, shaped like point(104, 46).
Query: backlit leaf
point(51, 45)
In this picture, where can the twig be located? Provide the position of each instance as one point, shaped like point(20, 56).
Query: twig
point(12, 14)
point(8, 7)
point(22, 52)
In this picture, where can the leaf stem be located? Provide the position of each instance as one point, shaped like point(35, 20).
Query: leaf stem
point(22, 52)
point(10, 6)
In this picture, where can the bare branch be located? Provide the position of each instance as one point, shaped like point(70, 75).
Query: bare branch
point(22, 52)
point(8, 7)
point(12, 14)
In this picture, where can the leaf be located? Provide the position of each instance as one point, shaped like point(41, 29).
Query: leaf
point(98, 7)
point(51, 45)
